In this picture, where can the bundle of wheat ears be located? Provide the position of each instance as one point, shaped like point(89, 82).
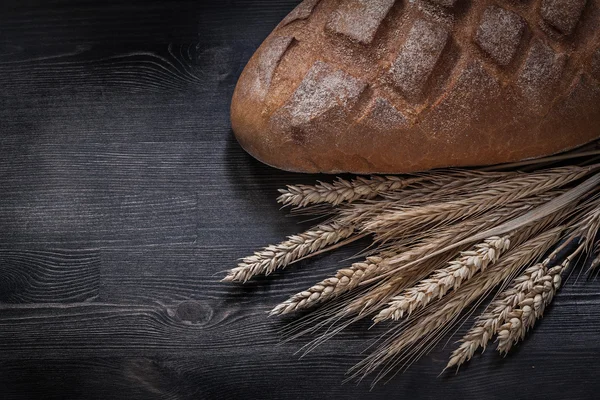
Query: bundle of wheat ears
point(443, 242)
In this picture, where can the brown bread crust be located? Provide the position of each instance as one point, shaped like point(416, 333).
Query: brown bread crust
point(383, 86)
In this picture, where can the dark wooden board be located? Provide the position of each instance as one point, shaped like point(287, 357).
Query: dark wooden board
point(123, 194)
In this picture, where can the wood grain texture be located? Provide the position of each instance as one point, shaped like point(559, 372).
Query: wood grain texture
point(59, 276)
point(124, 195)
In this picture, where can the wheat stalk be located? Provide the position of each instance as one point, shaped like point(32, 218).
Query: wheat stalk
point(283, 254)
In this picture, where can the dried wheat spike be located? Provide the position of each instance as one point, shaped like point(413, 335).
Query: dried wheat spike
point(522, 317)
point(445, 279)
point(487, 323)
point(297, 246)
point(462, 269)
point(404, 219)
point(497, 312)
point(344, 280)
point(349, 278)
point(391, 187)
point(342, 190)
point(433, 320)
point(375, 299)
point(448, 186)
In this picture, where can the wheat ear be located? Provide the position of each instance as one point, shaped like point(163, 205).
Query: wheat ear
point(393, 187)
point(450, 186)
point(349, 278)
point(529, 285)
point(432, 321)
point(344, 280)
point(295, 247)
point(522, 317)
point(463, 268)
point(405, 219)
point(380, 294)
point(342, 190)
point(487, 323)
point(443, 280)
point(411, 274)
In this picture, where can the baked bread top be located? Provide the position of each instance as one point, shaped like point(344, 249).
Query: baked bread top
point(384, 86)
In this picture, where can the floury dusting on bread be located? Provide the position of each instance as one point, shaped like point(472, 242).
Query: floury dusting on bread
point(448, 87)
point(382, 86)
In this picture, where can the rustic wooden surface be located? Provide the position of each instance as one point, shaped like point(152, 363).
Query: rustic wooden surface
point(123, 194)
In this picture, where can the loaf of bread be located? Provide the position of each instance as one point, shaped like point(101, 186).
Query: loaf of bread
point(384, 86)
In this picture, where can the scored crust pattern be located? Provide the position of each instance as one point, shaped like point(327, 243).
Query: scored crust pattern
point(563, 15)
point(540, 74)
point(302, 11)
point(499, 35)
point(323, 90)
point(418, 57)
point(444, 68)
point(359, 19)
